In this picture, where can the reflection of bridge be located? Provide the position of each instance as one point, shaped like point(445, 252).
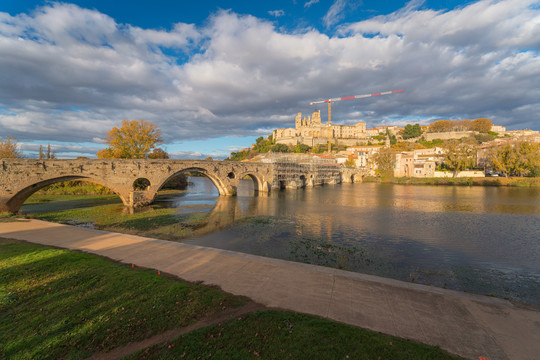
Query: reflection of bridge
point(20, 178)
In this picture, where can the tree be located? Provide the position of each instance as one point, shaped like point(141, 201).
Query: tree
point(158, 153)
point(350, 162)
point(50, 154)
point(517, 159)
point(482, 125)
point(459, 156)
point(9, 148)
point(411, 131)
point(133, 140)
point(282, 148)
point(262, 145)
point(301, 148)
point(441, 126)
point(385, 161)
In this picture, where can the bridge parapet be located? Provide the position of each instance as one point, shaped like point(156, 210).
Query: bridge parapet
point(20, 178)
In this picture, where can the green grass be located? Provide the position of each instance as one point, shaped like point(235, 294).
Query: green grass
point(106, 212)
point(287, 335)
point(64, 304)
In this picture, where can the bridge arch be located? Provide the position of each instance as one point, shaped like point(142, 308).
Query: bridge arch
point(14, 204)
point(218, 183)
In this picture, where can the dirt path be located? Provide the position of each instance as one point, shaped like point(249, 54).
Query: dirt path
point(174, 333)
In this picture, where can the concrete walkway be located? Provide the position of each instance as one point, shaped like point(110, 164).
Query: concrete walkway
point(468, 325)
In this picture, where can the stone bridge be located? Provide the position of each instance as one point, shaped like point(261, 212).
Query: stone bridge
point(20, 178)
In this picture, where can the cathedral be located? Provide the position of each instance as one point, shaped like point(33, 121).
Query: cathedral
point(311, 131)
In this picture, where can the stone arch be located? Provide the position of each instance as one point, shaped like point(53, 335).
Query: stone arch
point(257, 182)
point(13, 205)
point(302, 181)
point(218, 183)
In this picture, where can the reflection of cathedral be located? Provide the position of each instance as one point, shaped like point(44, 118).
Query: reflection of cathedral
point(311, 131)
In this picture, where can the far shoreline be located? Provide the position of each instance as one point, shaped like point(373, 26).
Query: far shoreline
point(459, 181)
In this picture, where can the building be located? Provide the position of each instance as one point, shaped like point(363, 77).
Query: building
point(311, 131)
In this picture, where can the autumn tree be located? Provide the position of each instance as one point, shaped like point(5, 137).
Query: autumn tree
point(158, 153)
point(133, 140)
point(459, 156)
point(482, 125)
point(519, 159)
point(385, 161)
point(9, 148)
point(441, 126)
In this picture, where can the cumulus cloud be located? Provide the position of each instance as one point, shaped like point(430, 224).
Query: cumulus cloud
point(69, 74)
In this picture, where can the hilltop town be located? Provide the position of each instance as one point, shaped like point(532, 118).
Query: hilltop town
point(445, 148)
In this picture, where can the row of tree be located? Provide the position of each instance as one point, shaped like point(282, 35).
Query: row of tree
point(482, 125)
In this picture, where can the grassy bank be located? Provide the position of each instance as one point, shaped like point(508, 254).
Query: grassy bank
point(62, 304)
point(287, 335)
point(106, 212)
point(464, 181)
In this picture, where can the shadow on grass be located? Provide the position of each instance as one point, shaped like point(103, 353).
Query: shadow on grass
point(66, 304)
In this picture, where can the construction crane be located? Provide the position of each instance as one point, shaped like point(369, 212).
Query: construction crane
point(330, 101)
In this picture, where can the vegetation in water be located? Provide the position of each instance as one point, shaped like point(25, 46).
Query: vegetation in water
point(107, 212)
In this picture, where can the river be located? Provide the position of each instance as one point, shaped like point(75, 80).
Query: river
point(478, 239)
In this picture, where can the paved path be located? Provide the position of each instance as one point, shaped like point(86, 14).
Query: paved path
point(469, 325)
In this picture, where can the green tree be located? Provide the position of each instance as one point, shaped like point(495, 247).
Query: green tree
point(262, 145)
point(459, 156)
point(411, 131)
point(133, 140)
point(385, 162)
point(50, 154)
point(9, 148)
point(301, 148)
point(282, 148)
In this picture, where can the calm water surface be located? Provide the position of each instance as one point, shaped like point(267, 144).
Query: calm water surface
point(478, 239)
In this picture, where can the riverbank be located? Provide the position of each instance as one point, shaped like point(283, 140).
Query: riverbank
point(58, 303)
point(464, 181)
point(465, 324)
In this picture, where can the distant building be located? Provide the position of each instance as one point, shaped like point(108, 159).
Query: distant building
point(311, 131)
point(501, 130)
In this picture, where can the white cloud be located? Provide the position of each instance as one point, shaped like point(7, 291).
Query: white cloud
point(335, 13)
point(69, 74)
point(276, 13)
point(310, 2)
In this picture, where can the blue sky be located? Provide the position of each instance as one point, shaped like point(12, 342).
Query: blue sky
point(215, 75)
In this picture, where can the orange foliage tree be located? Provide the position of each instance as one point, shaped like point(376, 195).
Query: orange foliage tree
point(133, 140)
point(481, 125)
point(8, 148)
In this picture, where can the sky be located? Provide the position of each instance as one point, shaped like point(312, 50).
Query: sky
point(215, 75)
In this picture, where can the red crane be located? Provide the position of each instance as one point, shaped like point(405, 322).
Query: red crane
point(330, 101)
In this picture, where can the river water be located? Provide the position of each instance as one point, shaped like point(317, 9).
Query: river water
point(484, 240)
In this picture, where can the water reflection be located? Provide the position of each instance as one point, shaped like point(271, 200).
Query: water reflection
point(441, 235)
